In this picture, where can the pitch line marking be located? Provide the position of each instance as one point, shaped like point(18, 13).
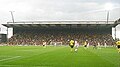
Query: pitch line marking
point(10, 58)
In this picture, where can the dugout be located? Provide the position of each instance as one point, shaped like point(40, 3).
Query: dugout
point(3, 38)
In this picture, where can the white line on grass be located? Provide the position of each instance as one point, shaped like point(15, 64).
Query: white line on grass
point(25, 65)
point(10, 58)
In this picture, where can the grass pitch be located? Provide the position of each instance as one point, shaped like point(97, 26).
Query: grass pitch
point(59, 56)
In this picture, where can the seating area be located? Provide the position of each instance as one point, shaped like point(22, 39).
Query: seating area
point(36, 37)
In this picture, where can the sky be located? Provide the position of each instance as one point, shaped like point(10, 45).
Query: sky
point(36, 10)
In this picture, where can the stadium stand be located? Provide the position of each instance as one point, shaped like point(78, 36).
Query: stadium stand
point(34, 33)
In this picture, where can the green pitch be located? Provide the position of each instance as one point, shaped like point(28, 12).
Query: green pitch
point(60, 56)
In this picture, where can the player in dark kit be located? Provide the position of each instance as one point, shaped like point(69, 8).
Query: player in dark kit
point(85, 44)
point(94, 46)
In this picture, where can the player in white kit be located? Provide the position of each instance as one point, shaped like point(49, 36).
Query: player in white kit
point(44, 44)
point(76, 46)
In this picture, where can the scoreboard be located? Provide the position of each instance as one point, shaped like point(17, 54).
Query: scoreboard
point(3, 38)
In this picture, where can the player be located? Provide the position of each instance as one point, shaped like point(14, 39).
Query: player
point(55, 44)
point(105, 44)
point(76, 46)
point(88, 45)
point(118, 45)
point(94, 45)
point(99, 47)
point(71, 44)
point(85, 44)
point(44, 44)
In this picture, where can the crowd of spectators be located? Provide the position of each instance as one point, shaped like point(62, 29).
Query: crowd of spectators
point(36, 37)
